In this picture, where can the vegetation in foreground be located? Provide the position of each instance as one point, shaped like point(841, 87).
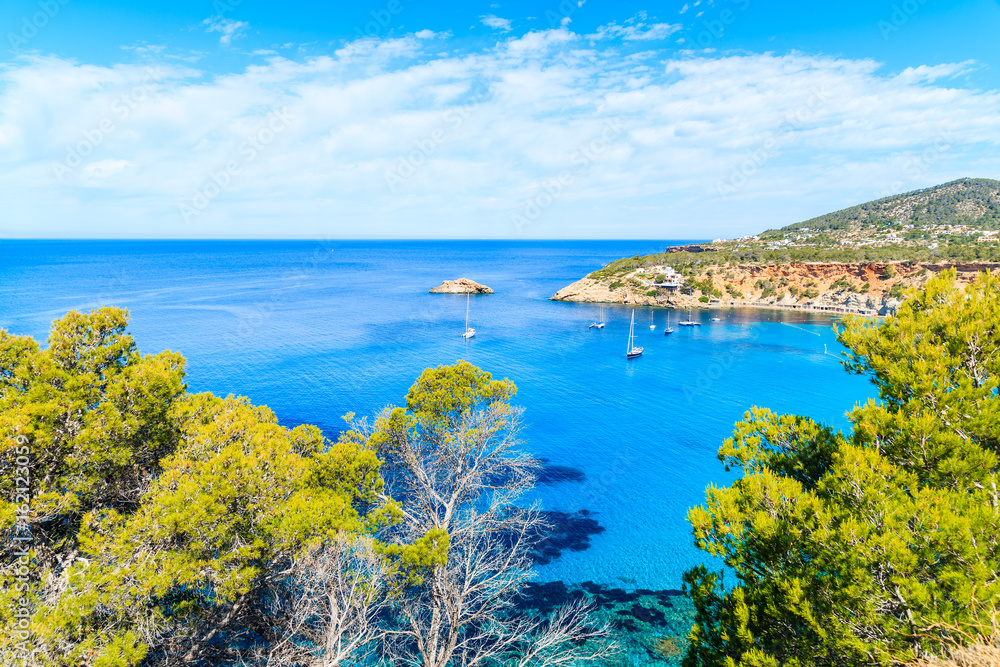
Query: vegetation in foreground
point(145, 525)
point(175, 529)
point(880, 547)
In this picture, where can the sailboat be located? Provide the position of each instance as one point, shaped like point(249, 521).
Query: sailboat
point(631, 352)
point(599, 324)
point(668, 330)
point(689, 322)
point(652, 324)
point(469, 332)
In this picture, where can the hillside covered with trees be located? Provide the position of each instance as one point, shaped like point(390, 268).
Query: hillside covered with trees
point(860, 259)
point(974, 202)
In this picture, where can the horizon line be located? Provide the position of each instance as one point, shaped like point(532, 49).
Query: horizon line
point(333, 238)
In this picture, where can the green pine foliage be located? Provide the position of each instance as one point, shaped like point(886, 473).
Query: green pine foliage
point(158, 518)
point(169, 528)
point(876, 547)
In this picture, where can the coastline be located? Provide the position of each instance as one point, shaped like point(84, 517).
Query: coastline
point(865, 289)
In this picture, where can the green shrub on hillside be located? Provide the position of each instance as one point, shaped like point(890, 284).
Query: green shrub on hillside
point(843, 284)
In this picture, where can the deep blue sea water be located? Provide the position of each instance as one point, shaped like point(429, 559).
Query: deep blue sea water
point(319, 329)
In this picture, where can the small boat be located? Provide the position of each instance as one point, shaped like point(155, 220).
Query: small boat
point(689, 322)
point(668, 330)
point(600, 323)
point(631, 352)
point(716, 319)
point(469, 332)
point(652, 324)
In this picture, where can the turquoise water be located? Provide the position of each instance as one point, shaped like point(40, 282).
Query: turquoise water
point(319, 329)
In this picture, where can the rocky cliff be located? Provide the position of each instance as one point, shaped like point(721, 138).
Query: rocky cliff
point(869, 288)
point(461, 286)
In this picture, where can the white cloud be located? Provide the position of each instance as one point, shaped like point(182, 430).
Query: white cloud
point(636, 29)
point(146, 49)
point(495, 22)
point(477, 134)
point(929, 73)
point(228, 27)
point(104, 168)
point(373, 51)
point(684, 8)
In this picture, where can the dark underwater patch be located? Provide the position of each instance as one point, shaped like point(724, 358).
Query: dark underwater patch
point(550, 474)
point(565, 531)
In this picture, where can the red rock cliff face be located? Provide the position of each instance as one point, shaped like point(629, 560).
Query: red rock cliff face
point(880, 277)
point(873, 288)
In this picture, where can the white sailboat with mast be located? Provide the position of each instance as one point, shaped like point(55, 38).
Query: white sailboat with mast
point(631, 352)
point(689, 322)
point(599, 324)
point(469, 332)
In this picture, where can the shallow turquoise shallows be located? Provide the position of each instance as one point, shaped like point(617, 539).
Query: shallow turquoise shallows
point(319, 329)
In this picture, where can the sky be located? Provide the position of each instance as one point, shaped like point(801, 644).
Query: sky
point(531, 119)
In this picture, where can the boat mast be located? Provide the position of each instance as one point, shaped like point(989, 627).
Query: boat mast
point(467, 297)
point(631, 327)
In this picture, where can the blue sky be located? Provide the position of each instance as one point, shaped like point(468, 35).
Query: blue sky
point(528, 119)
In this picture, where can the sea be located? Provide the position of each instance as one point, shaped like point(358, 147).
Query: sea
point(318, 329)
